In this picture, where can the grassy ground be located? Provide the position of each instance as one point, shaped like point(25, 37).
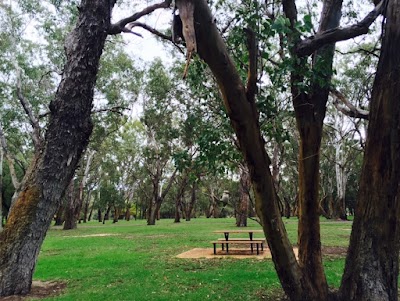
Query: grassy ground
point(137, 262)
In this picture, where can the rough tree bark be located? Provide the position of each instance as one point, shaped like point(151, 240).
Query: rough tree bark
point(372, 264)
point(53, 166)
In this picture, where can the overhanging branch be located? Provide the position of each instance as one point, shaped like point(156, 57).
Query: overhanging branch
point(155, 32)
point(119, 27)
point(308, 46)
point(346, 107)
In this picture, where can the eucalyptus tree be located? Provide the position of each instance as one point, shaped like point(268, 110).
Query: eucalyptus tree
point(54, 164)
point(160, 124)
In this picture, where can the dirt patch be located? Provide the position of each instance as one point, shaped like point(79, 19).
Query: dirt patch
point(245, 253)
point(40, 290)
point(233, 253)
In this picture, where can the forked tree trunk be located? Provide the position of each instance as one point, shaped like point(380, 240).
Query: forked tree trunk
point(372, 264)
point(244, 197)
point(310, 108)
point(179, 197)
point(53, 167)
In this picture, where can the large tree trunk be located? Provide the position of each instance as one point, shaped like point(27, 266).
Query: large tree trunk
point(54, 165)
point(153, 211)
point(372, 264)
point(244, 197)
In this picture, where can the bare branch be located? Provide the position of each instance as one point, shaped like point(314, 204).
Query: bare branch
point(346, 107)
point(155, 32)
point(366, 51)
point(119, 27)
point(36, 136)
point(308, 46)
point(117, 109)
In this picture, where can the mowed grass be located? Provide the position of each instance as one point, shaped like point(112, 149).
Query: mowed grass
point(133, 261)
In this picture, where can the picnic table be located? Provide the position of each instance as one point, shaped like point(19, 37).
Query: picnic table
point(224, 242)
point(227, 232)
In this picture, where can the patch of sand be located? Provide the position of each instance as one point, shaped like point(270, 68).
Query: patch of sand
point(233, 253)
point(245, 253)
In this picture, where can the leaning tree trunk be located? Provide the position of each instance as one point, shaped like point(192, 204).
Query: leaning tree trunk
point(244, 197)
point(372, 264)
point(53, 167)
point(244, 118)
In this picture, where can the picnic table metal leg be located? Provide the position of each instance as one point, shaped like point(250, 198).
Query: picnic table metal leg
point(262, 246)
point(251, 235)
point(215, 248)
point(226, 234)
point(227, 250)
point(251, 244)
point(258, 251)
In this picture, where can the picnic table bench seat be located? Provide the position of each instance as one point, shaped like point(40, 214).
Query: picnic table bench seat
point(239, 241)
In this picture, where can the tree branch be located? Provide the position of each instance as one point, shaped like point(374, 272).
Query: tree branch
point(119, 27)
point(290, 10)
point(36, 136)
point(155, 32)
point(347, 107)
point(251, 88)
point(116, 109)
point(10, 159)
point(308, 46)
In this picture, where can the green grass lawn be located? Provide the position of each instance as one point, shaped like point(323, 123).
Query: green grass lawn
point(138, 262)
